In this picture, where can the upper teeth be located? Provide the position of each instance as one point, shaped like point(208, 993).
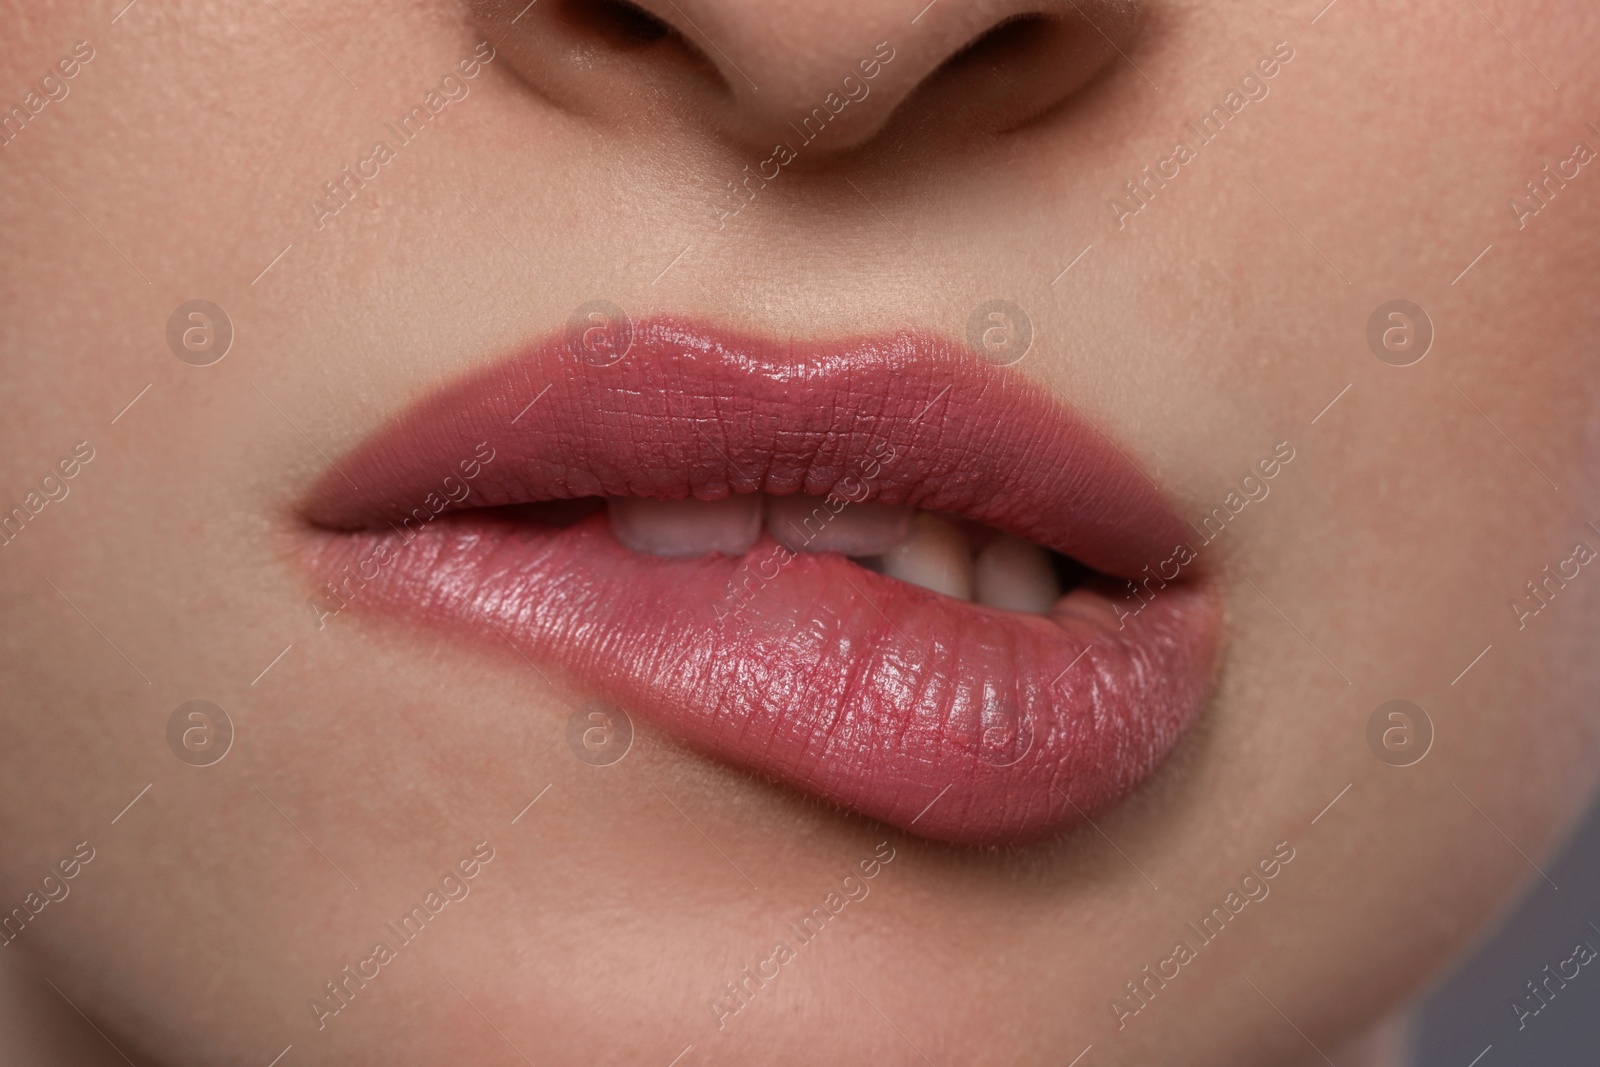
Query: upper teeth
point(917, 547)
point(935, 556)
point(687, 527)
point(809, 524)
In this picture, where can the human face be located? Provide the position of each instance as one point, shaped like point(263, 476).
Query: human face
point(1307, 303)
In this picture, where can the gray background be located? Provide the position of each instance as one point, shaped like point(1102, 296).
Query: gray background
point(1471, 1009)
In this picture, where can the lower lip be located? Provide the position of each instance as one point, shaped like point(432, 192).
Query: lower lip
point(949, 720)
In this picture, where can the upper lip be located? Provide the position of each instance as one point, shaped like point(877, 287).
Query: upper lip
point(879, 696)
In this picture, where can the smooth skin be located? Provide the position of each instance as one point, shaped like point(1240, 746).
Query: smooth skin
point(1224, 317)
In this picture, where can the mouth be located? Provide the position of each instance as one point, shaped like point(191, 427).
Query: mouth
point(881, 571)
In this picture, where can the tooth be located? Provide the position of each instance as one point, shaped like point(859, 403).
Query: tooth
point(805, 523)
point(934, 555)
point(687, 527)
point(1013, 574)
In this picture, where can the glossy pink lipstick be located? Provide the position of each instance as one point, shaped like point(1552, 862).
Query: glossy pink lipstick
point(947, 719)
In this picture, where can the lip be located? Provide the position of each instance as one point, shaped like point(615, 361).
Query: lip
point(950, 720)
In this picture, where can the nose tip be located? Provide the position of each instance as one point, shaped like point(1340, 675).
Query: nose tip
point(830, 75)
point(849, 99)
point(968, 65)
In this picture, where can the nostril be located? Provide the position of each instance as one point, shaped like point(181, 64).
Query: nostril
point(621, 26)
point(1021, 68)
point(974, 68)
point(619, 22)
point(1000, 45)
point(990, 66)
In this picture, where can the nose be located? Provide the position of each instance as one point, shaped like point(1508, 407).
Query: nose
point(832, 73)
